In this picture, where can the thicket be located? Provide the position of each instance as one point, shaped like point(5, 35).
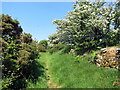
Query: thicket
point(55, 48)
point(19, 52)
point(43, 43)
point(90, 25)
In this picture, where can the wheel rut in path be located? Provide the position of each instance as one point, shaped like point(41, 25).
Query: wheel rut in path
point(50, 83)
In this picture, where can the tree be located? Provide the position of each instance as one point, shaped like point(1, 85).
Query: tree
point(10, 28)
point(26, 38)
point(54, 38)
point(87, 26)
point(44, 43)
point(18, 55)
point(117, 20)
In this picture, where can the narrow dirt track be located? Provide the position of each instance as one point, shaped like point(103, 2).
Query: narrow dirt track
point(50, 83)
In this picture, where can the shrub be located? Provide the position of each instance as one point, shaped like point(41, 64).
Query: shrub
point(59, 46)
point(52, 50)
point(67, 49)
point(41, 48)
point(80, 51)
point(19, 52)
point(44, 43)
point(56, 48)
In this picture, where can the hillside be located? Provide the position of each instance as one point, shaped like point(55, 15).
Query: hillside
point(69, 71)
point(83, 52)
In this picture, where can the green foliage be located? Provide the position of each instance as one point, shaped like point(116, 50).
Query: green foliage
point(54, 38)
point(41, 48)
point(10, 28)
point(27, 38)
point(52, 50)
point(56, 48)
point(59, 46)
point(88, 26)
point(41, 81)
point(80, 51)
point(67, 48)
point(19, 52)
point(44, 43)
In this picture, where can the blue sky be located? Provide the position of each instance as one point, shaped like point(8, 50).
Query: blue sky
point(36, 17)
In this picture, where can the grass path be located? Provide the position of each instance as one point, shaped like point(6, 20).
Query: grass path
point(50, 83)
point(63, 71)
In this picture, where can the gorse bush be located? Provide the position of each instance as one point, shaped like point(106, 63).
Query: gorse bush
point(19, 52)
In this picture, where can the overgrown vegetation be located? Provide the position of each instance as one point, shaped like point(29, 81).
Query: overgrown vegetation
point(56, 48)
point(71, 53)
point(86, 29)
point(19, 52)
point(70, 71)
point(41, 81)
point(44, 43)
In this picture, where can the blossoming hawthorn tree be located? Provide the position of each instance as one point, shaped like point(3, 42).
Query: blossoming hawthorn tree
point(88, 25)
point(117, 20)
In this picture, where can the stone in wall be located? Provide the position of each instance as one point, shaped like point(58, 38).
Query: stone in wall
point(108, 57)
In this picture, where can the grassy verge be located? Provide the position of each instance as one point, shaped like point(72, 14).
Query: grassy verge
point(41, 81)
point(69, 73)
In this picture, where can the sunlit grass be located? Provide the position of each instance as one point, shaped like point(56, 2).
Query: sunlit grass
point(71, 72)
point(82, 74)
point(41, 82)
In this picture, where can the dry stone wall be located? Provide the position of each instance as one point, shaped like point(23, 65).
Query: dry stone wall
point(108, 57)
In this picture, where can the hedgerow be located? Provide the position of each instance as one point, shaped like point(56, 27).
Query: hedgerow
point(19, 52)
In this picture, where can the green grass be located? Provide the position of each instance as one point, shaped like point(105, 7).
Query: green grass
point(41, 81)
point(69, 73)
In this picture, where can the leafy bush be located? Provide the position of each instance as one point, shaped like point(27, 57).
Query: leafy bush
point(80, 51)
point(67, 49)
point(59, 46)
point(44, 43)
point(41, 48)
point(19, 52)
point(52, 50)
point(56, 48)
